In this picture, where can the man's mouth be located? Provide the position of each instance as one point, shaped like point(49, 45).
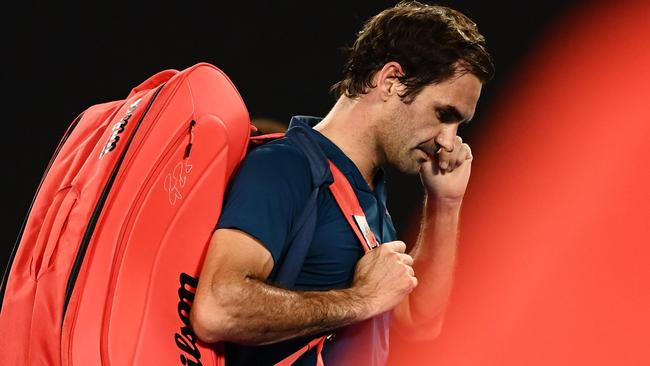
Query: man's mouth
point(430, 150)
point(425, 155)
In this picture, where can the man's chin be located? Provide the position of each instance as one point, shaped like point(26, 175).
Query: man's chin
point(411, 163)
point(410, 168)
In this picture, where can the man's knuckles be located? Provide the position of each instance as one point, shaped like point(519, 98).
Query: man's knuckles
point(406, 259)
point(393, 246)
point(448, 161)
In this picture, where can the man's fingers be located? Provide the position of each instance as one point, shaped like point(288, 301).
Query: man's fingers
point(411, 271)
point(466, 153)
point(406, 259)
point(450, 160)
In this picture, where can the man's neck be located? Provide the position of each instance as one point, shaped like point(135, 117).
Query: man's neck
point(349, 126)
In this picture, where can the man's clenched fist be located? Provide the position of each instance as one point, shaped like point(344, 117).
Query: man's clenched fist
point(384, 276)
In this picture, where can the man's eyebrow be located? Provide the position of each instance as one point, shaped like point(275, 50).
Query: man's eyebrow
point(455, 113)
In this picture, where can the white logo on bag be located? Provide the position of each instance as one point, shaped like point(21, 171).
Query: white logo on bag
point(176, 180)
point(118, 128)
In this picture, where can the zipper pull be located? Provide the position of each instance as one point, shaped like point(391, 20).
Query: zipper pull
point(189, 144)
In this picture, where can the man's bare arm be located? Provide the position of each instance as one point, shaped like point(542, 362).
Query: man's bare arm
point(434, 258)
point(445, 177)
point(234, 303)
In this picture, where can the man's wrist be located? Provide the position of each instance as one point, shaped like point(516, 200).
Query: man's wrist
point(363, 303)
point(444, 204)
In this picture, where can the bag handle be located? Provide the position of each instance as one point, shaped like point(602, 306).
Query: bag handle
point(153, 81)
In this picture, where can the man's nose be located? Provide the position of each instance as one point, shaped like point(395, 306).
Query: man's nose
point(446, 138)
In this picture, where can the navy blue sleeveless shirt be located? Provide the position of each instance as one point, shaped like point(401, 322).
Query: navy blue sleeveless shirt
point(266, 194)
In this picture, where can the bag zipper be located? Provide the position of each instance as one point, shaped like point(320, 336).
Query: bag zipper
point(5, 276)
point(83, 247)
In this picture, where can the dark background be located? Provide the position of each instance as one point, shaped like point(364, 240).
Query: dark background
point(58, 59)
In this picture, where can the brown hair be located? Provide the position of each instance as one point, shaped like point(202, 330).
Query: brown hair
point(431, 43)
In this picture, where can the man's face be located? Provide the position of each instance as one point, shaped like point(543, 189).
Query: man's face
point(410, 133)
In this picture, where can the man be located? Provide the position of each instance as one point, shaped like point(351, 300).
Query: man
point(413, 76)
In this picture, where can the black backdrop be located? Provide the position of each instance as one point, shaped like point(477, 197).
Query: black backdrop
point(58, 59)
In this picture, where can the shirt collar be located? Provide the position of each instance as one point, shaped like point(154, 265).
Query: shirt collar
point(338, 157)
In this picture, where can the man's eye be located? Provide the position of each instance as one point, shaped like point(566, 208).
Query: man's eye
point(444, 116)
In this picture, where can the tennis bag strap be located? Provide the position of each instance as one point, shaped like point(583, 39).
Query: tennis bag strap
point(305, 225)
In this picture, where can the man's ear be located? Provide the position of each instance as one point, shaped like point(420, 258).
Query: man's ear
point(387, 82)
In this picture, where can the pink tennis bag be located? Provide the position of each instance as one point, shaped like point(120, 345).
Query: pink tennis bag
point(106, 265)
